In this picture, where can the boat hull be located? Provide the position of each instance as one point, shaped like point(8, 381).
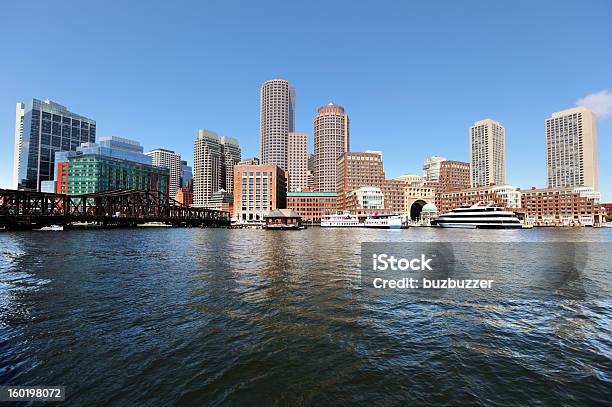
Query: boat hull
point(478, 226)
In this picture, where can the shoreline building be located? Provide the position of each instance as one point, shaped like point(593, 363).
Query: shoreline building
point(564, 206)
point(297, 162)
point(258, 189)
point(505, 196)
point(112, 164)
point(487, 154)
point(43, 128)
point(311, 206)
point(356, 170)
point(161, 157)
point(331, 140)
point(277, 119)
point(571, 149)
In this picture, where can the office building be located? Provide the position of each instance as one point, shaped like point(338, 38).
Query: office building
point(207, 163)
point(487, 153)
point(258, 189)
point(222, 201)
point(43, 128)
point(311, 206)
point(186, 176)
point(112, 164)
point(213, 162)
point(232, 155)
point(431, 168)
point(277, 119)
point(331, 140)
point(161, 157)
point(297, 161)
point(571, 149)
point(184, 196)
point(356, 170)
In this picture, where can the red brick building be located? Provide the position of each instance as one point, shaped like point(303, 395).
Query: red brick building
point(357, 170)
point(184, 196)
point(562, 206)
point(312, 205)
point(504, 196)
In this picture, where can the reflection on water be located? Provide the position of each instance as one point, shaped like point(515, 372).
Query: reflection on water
point(197, 316)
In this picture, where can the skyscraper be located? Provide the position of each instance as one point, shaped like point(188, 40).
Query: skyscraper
point(571, 149)
point(43, 128)
point(277, 119)
point(207, 171)
point(297, 161)
point(331, 140)
point(161, 157)
point(487, 153)
point(231, 156)
point(214, 158)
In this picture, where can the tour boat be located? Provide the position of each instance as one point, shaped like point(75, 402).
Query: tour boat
point(343, 220)
point(479, 216)
point(383, 222)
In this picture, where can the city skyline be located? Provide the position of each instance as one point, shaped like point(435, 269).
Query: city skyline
point(394, 115)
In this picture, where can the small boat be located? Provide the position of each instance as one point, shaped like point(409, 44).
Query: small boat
point(343, 220)
point(383, 222)
point(52, 228)
point(154, 225)
point(479, 216)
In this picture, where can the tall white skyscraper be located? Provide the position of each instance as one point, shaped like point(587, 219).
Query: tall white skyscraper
point(571, 149)
point(277, 119)
point(487, 153)
point(331, 140)
point(297, 161)
point(161, 157)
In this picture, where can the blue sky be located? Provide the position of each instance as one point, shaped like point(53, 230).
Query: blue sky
point(413, 76)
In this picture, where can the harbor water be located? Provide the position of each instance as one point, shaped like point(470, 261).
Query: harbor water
point(171, 316)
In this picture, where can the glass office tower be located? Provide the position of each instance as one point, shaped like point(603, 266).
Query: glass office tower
point(43, 128)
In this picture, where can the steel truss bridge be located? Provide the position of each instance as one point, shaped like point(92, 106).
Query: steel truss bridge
point(33, 210)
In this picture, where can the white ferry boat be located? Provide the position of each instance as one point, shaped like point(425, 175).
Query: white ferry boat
point(384, 222)
point(343, 220)
point(479, 216)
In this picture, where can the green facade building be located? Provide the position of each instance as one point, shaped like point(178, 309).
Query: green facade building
point(91, 173)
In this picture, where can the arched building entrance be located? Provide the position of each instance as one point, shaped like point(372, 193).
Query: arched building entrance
point(416, 208)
